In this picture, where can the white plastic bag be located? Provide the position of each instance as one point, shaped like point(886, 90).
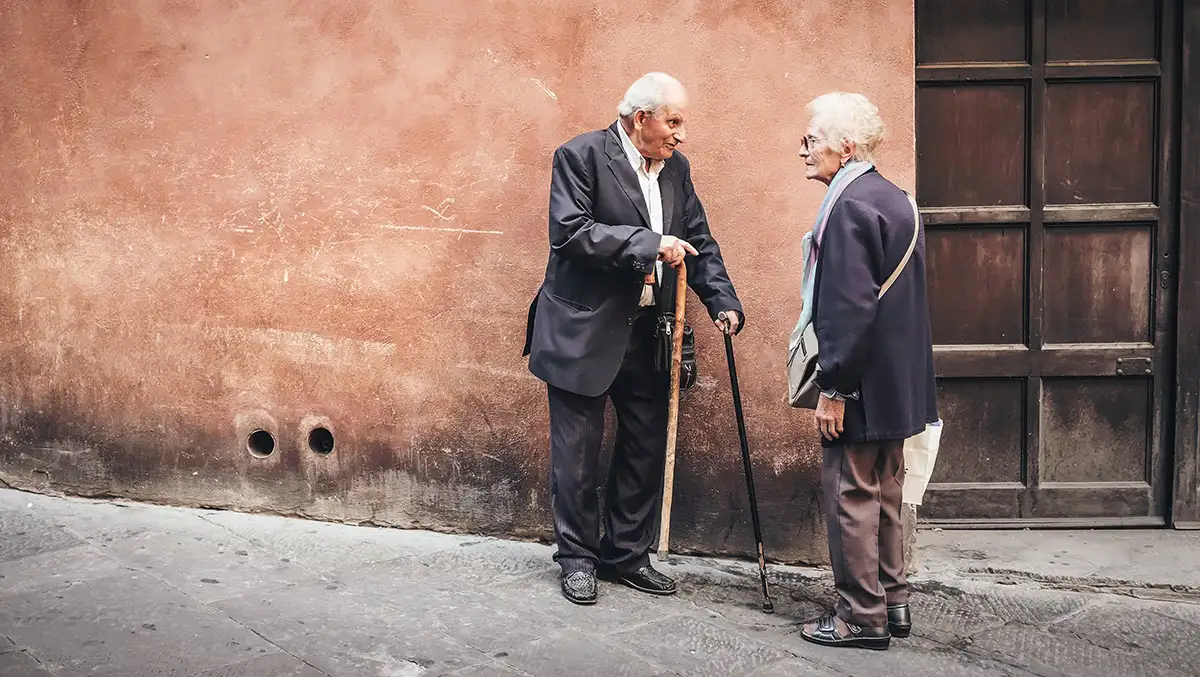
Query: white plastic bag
point(920, 455)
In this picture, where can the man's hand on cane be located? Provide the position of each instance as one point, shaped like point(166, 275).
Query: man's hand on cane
point(728, 321)
point(672, 250)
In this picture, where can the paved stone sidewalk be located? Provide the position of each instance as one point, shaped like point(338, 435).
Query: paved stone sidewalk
point(123, 590)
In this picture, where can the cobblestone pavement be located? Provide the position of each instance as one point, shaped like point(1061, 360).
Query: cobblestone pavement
point(125, 590)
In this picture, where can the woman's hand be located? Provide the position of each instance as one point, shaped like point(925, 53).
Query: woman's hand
point(830, 413)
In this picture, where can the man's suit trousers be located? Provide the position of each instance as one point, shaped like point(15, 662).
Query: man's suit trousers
point(634, 486)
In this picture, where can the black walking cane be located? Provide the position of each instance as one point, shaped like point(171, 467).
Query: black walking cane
point(767, 605)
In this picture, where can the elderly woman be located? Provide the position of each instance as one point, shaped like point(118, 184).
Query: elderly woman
point(864, 287)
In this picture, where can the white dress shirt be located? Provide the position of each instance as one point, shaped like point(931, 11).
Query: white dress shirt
point(648, 179)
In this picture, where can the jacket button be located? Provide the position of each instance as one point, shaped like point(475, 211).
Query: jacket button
point(629, 321)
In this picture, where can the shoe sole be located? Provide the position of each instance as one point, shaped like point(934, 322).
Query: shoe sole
point(860, 643)
point(900, 631)
point(580, 602)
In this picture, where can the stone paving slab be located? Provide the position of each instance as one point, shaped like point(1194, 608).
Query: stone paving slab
point(947, 618)
point(26, 534)
point(913, 657)
point(271, 665)
point(617, 607)
point(488, 560)
point(124, 625)
point(342, 632)
point(794, 668)
point(1188, 613)
point(1140, 629)
point(101, 588)
point(694, 646)
point(572, 652)
point(54, 569)
point(205, 561)
point(1026, 605)
point(98, 521)
point(18, 663)
point(1052, 651)
point(330, 548)
point(496, 669)
point(740, 602)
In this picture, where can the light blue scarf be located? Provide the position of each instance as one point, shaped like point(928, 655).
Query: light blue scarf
point(811, 244)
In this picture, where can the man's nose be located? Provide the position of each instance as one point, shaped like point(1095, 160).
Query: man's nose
point(680, 135)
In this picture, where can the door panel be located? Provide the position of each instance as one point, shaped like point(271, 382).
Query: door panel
point(989, 171)
point(961, 262)
point(1100, 142)
point(1101, 30)
point(961, 31)
point(1098, 285)
point(1042, 137)
point(987, 440)
point(1082, 416)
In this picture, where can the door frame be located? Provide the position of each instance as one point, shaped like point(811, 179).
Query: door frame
point(1185, 513)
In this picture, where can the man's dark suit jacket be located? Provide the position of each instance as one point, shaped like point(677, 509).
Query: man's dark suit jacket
point(601, 247)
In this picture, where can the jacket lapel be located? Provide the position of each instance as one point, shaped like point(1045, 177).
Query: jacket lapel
point(618, 163)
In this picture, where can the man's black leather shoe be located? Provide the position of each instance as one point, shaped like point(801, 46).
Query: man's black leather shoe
point(645, 579)
point(899, 620)
point(579, 587)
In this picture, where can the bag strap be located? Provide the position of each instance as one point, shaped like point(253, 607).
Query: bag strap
point(911, 246)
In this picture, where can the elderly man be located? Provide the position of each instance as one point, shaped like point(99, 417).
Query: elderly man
point(623, 216)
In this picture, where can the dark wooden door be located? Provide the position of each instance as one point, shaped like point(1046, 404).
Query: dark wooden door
point(1044, 165)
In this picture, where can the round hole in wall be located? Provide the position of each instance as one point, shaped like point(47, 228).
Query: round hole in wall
point(320, 440)
point(260, 444)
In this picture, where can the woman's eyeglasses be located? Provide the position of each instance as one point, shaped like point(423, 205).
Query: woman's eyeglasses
point(809, 142)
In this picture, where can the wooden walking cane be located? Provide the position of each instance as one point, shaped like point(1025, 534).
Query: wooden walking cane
point(664, 533)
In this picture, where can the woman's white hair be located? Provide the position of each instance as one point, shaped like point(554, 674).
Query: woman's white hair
point(843, 118)
point(650, 93)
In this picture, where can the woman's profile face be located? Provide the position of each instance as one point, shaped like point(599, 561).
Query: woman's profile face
point(821, 163)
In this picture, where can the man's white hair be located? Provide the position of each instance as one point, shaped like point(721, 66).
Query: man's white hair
point(650, 93)
point(844, 118)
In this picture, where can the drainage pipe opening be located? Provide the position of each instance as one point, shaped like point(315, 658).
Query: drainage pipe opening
point(320, 440)
point(260, 444)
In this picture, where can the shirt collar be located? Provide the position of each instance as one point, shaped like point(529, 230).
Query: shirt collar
point(635, 158)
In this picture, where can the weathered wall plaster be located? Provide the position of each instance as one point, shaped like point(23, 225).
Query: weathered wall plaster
point(220, 216)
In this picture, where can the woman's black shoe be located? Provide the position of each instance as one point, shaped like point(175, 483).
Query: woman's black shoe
point(860, 637)
point(899, 620)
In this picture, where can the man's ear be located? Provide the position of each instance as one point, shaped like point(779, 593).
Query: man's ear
point(639, 119)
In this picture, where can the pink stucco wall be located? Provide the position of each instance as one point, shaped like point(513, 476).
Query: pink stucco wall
point(219, 216)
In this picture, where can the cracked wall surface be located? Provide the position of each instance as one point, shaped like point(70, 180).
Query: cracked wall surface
point(218, 218)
